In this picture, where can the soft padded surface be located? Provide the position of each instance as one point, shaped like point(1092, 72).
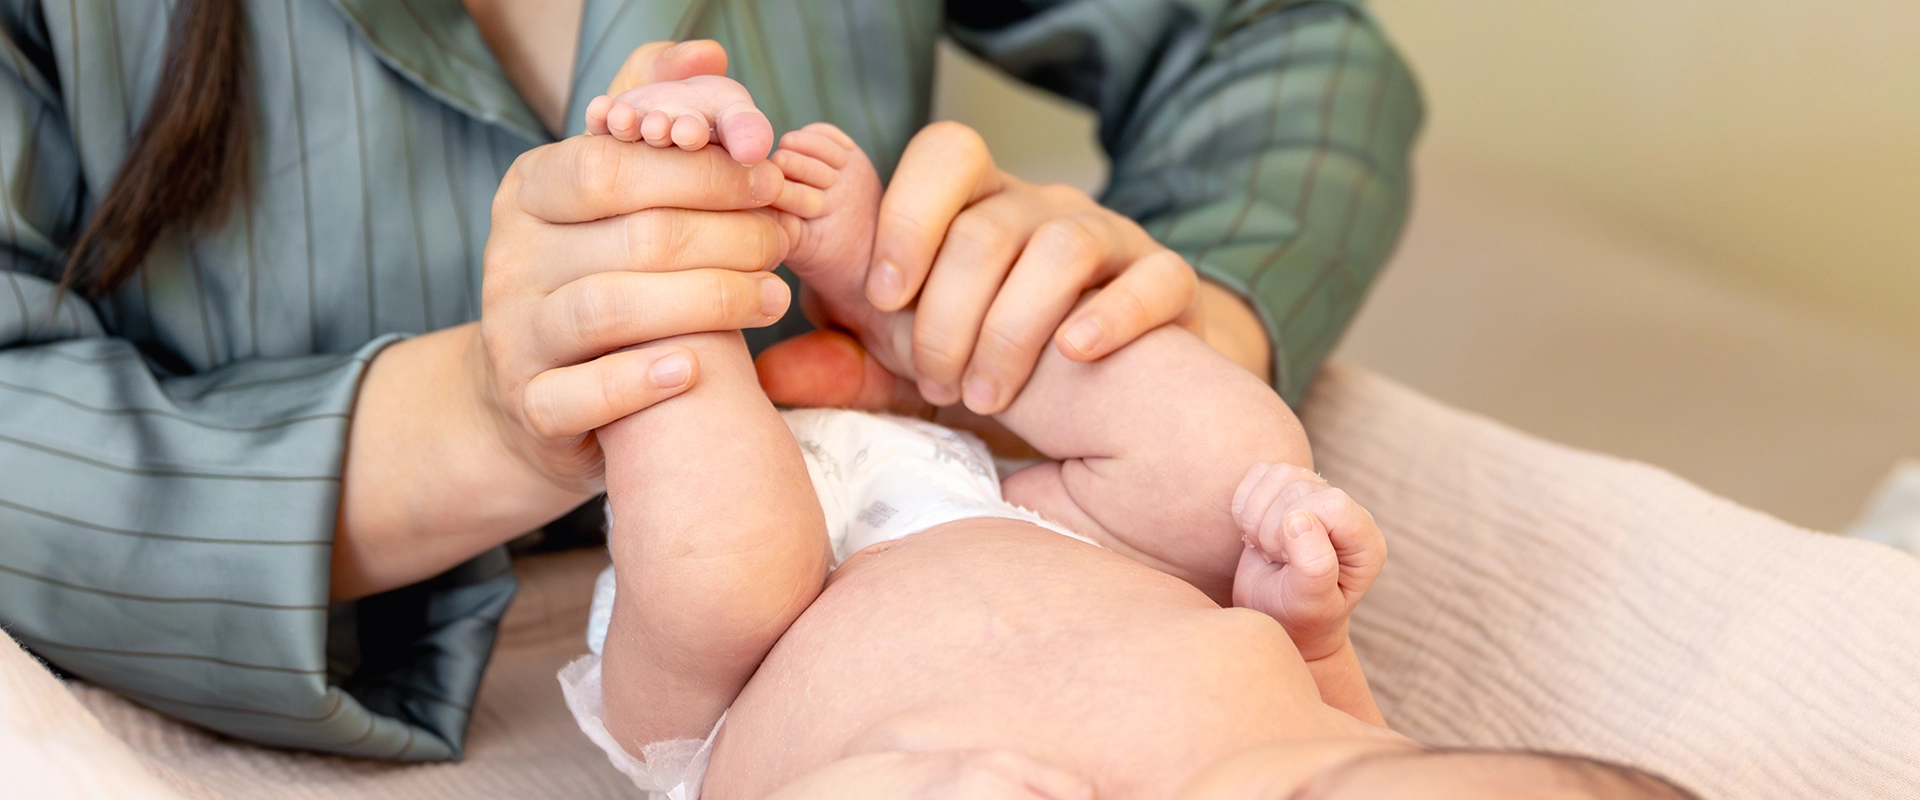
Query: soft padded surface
point(1542, 597)
point(1535, 597)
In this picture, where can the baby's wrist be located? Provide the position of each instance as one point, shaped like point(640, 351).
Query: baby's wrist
point(1321, 642)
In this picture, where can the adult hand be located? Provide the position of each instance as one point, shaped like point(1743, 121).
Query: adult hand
point(599, 245)
point(997, 265)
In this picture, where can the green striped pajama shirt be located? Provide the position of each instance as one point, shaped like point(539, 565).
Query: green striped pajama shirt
point(170, 456)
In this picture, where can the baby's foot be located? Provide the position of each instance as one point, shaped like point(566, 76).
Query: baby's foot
point(688, 114)
point(1311, 553)
point(832, 200)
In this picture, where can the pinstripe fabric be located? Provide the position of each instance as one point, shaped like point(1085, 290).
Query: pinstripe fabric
point(170, 456)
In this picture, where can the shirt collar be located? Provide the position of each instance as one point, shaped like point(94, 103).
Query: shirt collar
point(436, 45)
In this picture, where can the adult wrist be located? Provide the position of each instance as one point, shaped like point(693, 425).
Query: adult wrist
point(520, 465)
point(429, 481)
point(1232, 326)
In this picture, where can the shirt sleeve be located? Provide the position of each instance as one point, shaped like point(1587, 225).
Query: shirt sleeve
point(169, 536)
point(1267, 142)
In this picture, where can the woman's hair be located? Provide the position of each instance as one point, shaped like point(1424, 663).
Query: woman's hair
point(189, 157)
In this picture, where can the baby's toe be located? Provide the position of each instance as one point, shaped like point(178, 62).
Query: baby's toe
point(833, 132)
point(801, 200)
point(746, 132)
point(623, 122)
point(816, 144)
point(657, 129)
point(805, 169)
point(597, 115)
point(691, 131)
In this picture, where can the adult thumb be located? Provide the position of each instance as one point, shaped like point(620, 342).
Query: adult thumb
point(654, 62)
point(826, 368)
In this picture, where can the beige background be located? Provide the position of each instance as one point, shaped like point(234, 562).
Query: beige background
point(1779, 140)
point(1683, 232)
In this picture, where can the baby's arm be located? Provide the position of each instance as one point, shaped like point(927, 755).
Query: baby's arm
point(1173, 455)
point(718, 545)
point(1311, 553)
point(1151, 443)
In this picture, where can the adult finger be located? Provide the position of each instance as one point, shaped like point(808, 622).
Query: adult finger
point(654, 240)
point(570, 401)
point(1157, 289)
point(1065, 256)
point(594, 177)
point(973, 262)
point(654, 62)
point(945, 168)
point(606, 311)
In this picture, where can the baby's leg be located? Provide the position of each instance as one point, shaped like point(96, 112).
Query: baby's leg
point(718, 545)
point(831, 206)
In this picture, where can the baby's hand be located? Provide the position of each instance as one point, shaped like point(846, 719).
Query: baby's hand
point(687, 113)
point(1311, 553)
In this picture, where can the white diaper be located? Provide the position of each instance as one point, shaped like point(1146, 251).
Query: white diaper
point(879, 478)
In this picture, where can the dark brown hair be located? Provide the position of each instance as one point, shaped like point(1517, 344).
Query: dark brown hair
point(189, 157)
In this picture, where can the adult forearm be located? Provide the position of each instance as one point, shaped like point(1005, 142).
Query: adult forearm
point(429, 480)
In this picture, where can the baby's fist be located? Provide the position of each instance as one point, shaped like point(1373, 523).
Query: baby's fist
point(1311, 553)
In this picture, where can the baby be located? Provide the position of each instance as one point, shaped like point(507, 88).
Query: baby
point(832, 604)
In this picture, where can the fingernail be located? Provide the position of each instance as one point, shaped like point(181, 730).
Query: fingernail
point(1299, 523)
point(1085, 335)
point(980, 393)
point(773, 296)
point(671, 371)
point(885, 284)
point(764, 182)
point(935, 393)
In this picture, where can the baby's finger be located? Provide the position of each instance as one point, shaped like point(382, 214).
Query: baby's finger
point(1356, 537)
point(1309, 549)
point(1278, 488)
point(1247, 485)
point(1261, 497)
point(691, 131)
point(1353, 528)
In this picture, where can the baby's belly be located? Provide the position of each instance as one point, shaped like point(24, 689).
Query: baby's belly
point(994, 634)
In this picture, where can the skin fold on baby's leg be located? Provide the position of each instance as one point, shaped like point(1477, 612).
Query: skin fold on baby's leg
point(718, 544)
